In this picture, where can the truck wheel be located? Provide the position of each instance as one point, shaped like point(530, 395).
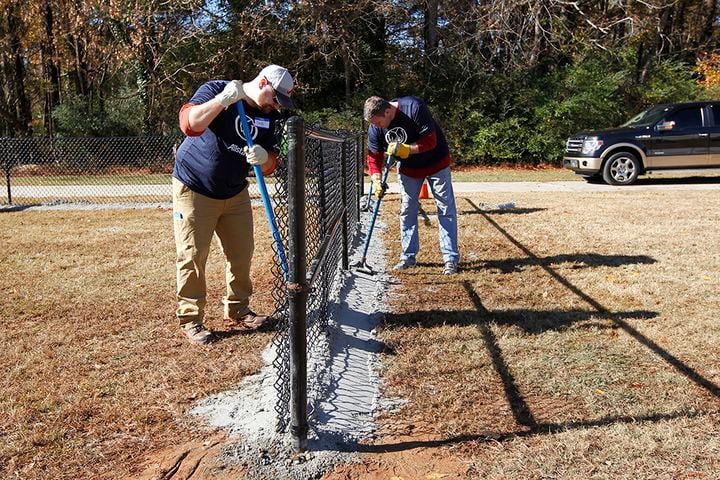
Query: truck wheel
point(621, 168)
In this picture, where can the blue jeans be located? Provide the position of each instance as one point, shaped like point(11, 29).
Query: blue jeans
point(441, 187)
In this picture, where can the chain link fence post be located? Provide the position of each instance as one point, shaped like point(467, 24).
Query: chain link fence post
point(343, 195)
point(297, 287)
point(4, 151)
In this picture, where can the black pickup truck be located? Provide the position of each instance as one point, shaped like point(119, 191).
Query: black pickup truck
point(679, 138)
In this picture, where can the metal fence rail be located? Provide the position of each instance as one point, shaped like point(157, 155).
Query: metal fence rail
point(89, 169)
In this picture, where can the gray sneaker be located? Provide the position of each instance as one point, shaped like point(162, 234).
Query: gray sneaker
point(405, 264)
point(197, 333)
point(451, 268)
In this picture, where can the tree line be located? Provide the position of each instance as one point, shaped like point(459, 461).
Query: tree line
point(508, 79)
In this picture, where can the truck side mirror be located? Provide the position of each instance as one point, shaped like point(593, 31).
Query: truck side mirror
point(665, 126)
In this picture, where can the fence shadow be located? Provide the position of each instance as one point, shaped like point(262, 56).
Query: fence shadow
point(16, 208)
point(661, 352)
point(579, 260)
point(532, 322)
point(536, 322)
point(539, 429)
point(496, 210)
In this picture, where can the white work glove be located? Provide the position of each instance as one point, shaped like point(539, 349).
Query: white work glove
point(233, 92)
point(256, 155)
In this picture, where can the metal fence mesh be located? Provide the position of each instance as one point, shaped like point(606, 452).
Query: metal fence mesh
point(328, 155)
point(89, 170)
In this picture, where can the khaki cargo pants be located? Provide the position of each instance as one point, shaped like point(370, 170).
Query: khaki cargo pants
point(196, 219)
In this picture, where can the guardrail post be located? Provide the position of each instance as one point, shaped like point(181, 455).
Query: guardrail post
point(297, 287)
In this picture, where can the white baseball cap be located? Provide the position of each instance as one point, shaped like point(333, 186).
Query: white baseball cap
point(282, 82)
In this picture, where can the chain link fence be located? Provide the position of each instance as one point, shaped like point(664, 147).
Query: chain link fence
point(332, 184)
point(138, 170)
point(40, 171)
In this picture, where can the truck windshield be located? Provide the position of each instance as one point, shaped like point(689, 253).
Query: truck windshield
point(647, 117)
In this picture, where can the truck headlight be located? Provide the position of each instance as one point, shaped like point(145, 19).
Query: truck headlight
point(591, 145)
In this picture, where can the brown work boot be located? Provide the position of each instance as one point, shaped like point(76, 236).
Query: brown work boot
point(252, 321)
point(197, 333)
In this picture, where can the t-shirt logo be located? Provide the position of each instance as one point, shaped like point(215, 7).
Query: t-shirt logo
point(397, 134)
point(251, 126)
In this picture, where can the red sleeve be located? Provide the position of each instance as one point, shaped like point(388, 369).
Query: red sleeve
point(427, 142)
point(185, 121)
point(375, 162)
point(269, 167)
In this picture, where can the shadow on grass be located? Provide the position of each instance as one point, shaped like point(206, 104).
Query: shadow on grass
point(536, 430)
point(219, 335)
point(423, 215)
point(495, 210)
point(16, 208)
point(580, 260)
point(663, 180)
point(536, 322)
point(533, 259)
point(530, 321)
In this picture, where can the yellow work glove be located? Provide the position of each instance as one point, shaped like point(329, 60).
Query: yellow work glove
point(400, 150)
point(378, 189)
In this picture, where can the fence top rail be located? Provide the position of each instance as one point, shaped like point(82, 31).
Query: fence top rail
point(327, 135)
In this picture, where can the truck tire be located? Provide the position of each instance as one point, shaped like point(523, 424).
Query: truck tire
point(621, 168)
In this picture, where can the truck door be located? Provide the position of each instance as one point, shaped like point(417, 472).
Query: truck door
point(679, 140)
point(714, 135)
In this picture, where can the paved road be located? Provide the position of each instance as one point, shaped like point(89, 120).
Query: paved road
point(75, 191)
point(580, 186)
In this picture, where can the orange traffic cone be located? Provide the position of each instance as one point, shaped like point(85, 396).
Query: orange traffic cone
point(424, 191)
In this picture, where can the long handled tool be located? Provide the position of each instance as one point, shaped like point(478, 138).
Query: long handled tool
point(260, 179)
point(362, 266)
point(369, 198)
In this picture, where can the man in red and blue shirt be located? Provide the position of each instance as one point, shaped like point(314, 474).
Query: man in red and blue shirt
point(210, 194)
point(405, 128)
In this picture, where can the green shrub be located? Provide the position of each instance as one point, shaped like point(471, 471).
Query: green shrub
point(331, 119)
point(81, 116)
point(523, 118)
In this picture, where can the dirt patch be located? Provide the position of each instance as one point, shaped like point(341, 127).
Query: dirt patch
point(197, 459)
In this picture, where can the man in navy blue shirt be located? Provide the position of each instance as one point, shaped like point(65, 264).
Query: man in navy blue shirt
point(405, 128)
point(210, 194)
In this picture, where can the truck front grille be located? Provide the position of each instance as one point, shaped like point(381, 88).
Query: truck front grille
point(574, 145)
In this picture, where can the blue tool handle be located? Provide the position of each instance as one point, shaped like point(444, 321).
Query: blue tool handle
point(389, 163)
point(260, 179)
point(369, 195)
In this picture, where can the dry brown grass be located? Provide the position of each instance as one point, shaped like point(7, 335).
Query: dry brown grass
point(96, 372)
point(579, 340)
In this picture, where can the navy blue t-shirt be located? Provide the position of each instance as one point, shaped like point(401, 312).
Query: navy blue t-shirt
point(213, 164)
point(412, 121)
